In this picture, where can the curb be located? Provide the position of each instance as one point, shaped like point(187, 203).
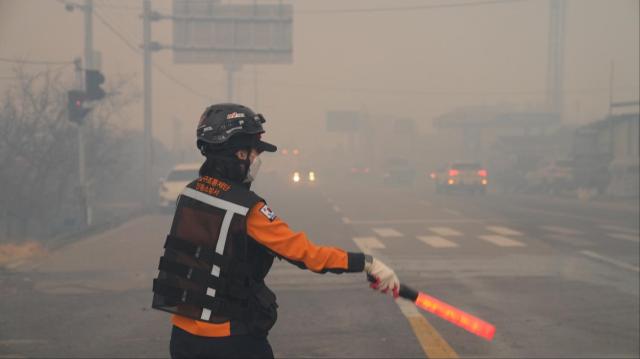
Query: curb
point(62, 240)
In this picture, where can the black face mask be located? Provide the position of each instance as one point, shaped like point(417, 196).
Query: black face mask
point(227, 165)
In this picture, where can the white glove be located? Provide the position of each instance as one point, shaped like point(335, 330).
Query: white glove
point(385, 278)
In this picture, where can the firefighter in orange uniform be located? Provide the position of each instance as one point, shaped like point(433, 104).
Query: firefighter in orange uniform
point(222, 243)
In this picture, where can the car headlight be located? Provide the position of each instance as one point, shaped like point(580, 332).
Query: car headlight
point(312, 176)
point(296, 177)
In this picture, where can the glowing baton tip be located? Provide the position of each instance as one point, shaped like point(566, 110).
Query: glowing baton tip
point(456, 316)
point(464, 320)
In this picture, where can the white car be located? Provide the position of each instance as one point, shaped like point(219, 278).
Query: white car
point(180, 176)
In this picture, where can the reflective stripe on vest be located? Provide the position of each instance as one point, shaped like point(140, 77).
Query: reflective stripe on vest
point(231, 209)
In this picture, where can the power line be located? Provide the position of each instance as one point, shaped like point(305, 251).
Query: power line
point(116, 32)
point(407, 8)
point(357, 10)
point(186, 87)
point(106, 5)
point(435, 92)
point(34, 62)
point(135, 49)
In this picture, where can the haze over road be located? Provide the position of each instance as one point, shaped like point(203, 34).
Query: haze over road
point(557, 277)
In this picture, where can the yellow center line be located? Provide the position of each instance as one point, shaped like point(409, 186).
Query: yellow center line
point(432, 343)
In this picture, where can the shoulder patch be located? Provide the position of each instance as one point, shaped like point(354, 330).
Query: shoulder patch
point(267, 212)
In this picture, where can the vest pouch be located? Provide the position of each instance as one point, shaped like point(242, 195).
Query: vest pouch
point(263, 310)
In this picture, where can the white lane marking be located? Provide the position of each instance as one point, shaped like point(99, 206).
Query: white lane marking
point(561, 230)
point(405, 221)
point(386, 232)
point(346, 220)
point(366, 244)
point(437, 242)
point(501, 241)
point(625, 237)
point(336, 208)
point(451, 211)
point(445, 231)
point(618, 229)
point(615, 262)
point(504, 231)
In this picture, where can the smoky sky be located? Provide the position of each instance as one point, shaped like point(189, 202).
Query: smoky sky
point(415, 63)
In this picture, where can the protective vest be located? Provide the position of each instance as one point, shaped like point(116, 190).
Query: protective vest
point(211, 269)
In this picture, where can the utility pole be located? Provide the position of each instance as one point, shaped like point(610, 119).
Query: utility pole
point(146, 59)
point(611, 74)
point(230, 67)
point(555, 64)
point(88, 63)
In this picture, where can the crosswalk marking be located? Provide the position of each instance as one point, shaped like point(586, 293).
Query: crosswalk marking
point(501, 241)
point(625, 237)
point(504, 231)
point(366, 244)
point(445, 231)
point(618, 229)
point(386, 232)
point(437, 242)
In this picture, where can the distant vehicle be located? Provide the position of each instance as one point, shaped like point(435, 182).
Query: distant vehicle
point(398, 171)
point(171, 186)
point(358, 171)
point(553, 177)
point(303, 177)
point(466, 176)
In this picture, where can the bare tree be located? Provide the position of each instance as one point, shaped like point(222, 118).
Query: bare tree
point(38, 152)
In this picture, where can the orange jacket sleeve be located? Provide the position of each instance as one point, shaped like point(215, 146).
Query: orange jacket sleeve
point(273, 233)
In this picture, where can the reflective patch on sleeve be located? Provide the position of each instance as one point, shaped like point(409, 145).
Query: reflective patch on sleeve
point(267, 212)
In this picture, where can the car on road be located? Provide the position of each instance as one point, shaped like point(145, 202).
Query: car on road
point(553, 177)
point(461, 176)
point(303, 177)
point(170, 187)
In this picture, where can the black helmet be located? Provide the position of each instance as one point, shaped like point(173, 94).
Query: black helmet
point(228, 125)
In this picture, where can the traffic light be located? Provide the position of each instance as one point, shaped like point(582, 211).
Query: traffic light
point(93, 80)
point(75, 106)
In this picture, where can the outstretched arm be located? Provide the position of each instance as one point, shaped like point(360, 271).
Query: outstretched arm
point(272, 232)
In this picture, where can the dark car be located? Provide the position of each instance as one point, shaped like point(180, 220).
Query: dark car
point(464, 176)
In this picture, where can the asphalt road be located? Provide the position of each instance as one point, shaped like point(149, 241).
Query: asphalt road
point(557, 277)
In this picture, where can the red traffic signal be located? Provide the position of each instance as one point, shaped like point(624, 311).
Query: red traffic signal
point(75, 106)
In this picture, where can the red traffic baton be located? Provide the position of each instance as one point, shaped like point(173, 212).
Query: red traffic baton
point(464, 320)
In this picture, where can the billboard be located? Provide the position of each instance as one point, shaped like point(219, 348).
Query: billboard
point(206, 31)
